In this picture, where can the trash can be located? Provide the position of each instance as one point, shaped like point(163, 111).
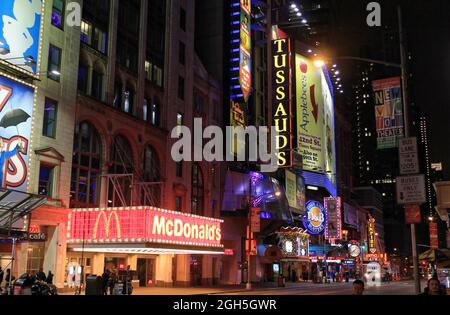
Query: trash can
point(94, 285)
point(281, 281)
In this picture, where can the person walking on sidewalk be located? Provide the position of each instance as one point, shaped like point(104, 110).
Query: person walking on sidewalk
point(1, 278)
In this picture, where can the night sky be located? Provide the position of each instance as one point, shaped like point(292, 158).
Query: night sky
point(427, 27)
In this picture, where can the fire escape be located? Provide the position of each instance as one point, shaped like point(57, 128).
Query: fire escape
point(133, 187)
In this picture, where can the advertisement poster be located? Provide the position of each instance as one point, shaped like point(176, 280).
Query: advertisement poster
point(388, 112)
point(245, 77)
point(329, 132)
point(20, 26)
point(310, 114)
point(333, 226)
point(315, 218)
point(16, 110)
point(301, 194)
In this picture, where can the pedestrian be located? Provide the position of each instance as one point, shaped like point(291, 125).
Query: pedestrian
point(434, 288)
point(358, 287)
point(49, 279)
point(105, 278)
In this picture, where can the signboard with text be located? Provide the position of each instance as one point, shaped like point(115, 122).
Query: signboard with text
point(412, 214)
point(388, 112)
point(333, 226)
point(245, 68)
point(411, 189)
point(371, 245)
point(408, 156)
point(434, 241)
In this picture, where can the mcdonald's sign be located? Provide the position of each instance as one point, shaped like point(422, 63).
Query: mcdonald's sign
point(142, 225)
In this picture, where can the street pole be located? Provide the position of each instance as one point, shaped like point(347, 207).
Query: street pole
point(406, 123)
point(248, 286)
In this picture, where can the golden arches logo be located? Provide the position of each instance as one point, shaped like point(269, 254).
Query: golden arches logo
point(107, 220)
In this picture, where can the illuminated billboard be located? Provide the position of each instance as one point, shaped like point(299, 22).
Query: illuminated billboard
point(295, 191)
point(388, 112)
point(245, 59)
point(16, 111)
point(20, 28)
point(315, 118)
point(281, 101)
point(315, 218)
point(143, 225)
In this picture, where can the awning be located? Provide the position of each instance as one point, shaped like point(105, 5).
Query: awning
point(15, 207)
point(435, 255)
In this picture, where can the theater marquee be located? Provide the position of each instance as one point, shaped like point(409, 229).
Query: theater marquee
point(144, 227)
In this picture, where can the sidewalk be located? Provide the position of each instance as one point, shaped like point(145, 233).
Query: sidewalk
point(225, 289)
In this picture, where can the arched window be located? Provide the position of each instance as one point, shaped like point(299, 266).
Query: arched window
point(86, 167)
point(151, 168)
point(121, 163)
point(197, 190)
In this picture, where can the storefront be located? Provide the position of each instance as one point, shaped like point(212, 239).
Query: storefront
point(163, 247)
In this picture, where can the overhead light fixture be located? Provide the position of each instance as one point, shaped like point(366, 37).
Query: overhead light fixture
point(299, 14)
point(293, 5)
point(55, 72)
point(304, 21)
point(337, 72)
point(319, 63)
point(310, 50)
point(312, 188)
point(334, 66)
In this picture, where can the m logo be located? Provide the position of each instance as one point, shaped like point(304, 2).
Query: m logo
point(107, 232)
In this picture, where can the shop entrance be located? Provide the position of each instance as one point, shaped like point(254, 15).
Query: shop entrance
point(146, 272)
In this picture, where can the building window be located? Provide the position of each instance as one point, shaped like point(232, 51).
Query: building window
point(181, 88)
point(46, 180)
point(50, 111)
point(86, 32)
point(54, 63)
point(97, 85)
point(179, 123)
point(149, 70)
point(99, 40)
point(128, 103)
point(58, 14)
point(152, 174)
point(86, 167)
point(197, 190)
point(178, 204)
point(179, 169)
point(182, 53)
point(122, 162)
point(183, 19)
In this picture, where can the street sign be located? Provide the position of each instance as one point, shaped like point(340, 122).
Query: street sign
point(408, 156)
point(412, 214)
point(411, 189)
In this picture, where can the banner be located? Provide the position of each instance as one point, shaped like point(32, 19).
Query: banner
point(310, 114)
point(434, 240)
point(245, 77)
point(388, 112)
point(281, 100)
point(20, 28)
point(16, 111)
point(295, 191)
point(333, 229)
point(350, 215)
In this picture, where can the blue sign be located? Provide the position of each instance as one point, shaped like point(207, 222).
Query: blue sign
point(16, 110)
point(20, 25)
point(315, 218)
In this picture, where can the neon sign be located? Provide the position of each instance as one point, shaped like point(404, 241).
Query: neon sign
point(245, 60)
point(143, 225)
point(315, 218)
